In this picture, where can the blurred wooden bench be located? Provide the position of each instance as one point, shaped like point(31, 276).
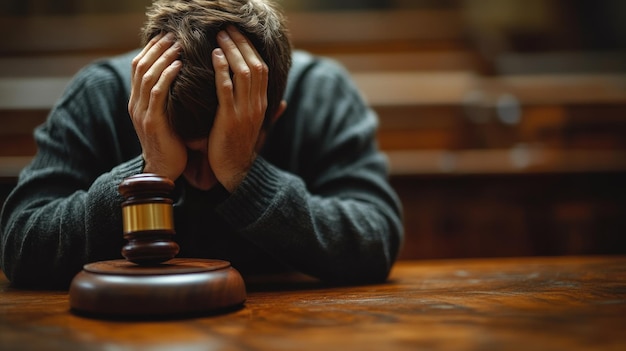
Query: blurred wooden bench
point(480, 162)
point(405, 39)
point(38, 55)
point(420, 111)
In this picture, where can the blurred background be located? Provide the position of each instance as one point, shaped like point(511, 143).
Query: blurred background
point(504, 120)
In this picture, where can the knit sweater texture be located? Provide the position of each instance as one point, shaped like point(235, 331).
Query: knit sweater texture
point(316, 200)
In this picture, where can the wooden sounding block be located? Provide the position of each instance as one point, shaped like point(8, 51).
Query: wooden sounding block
point(151, 282)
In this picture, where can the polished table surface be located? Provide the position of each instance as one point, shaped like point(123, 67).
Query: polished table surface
point(564, 303)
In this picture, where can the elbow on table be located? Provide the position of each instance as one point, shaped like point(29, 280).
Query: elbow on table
point(370, 267)
point(34, 276)
point(26, 267)
point(361, 273)
point(371, 263)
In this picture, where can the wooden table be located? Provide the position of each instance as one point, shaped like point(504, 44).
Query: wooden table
point(567, 303)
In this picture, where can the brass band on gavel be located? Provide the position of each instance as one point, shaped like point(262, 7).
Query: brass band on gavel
point(147, 217)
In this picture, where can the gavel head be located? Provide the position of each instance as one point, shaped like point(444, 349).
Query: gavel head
point(148, 219)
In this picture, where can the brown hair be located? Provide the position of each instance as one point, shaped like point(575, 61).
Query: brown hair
point(192, 101)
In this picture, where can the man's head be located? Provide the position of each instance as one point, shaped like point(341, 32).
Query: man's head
point(192, 101)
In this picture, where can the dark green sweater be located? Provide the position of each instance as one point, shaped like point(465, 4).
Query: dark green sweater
point(317, 200)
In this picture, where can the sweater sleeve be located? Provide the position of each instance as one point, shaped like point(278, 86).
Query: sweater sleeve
point(332, 213)
point(64, 211)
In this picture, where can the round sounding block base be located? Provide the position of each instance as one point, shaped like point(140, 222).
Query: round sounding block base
point(120, 288)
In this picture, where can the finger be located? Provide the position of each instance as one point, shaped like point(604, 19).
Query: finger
point(237, 64)
point(159, 65)
point(151, 43)
point(258, 68)
point(143, 52)
point(146, 73)
point(135, 62)
point(136, 103)
point(248, 50)
point(223, 82)
point(156, 60)
point(160, 90)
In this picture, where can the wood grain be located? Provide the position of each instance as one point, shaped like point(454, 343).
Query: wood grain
point(566, 303)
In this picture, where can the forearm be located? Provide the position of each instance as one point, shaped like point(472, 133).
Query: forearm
point(52, 225)
point(347, 237)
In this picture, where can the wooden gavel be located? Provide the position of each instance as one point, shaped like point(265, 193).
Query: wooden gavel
point(150, 281)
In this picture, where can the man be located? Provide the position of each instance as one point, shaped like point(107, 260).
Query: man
point(265, 183)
